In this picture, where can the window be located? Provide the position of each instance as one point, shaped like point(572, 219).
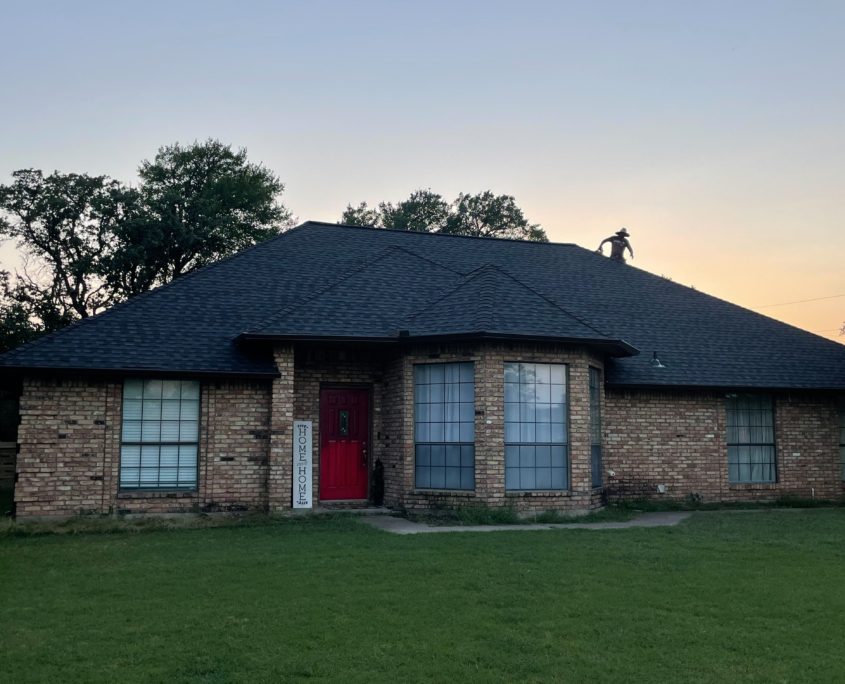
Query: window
point(160, 434)
point(595, 426)
point(842, 435)
point(444, 426)
point(536, 455)
point(751, 439)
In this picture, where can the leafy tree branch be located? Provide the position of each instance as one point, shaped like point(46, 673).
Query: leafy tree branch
point(482, 215)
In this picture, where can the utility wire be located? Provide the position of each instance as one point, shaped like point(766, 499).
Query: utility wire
point(798, 301)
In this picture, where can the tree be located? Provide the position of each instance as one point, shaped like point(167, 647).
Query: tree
point(481, 215)
point(423, 212)
point(361, 215)
point(489, 215)
point(202, 202)
point(16, 324)
point(89, 241)
point(64, 223)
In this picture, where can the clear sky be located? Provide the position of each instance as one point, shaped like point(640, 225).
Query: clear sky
point(715, 131)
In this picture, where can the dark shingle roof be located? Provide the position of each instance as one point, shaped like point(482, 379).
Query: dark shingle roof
point(326, 280)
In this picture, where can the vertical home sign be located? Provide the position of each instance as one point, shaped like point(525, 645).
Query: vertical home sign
point(302, 464)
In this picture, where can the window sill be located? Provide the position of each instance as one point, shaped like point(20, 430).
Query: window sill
point(156, 493)
point(751, 486)
point(443, 492)
point(539, 492)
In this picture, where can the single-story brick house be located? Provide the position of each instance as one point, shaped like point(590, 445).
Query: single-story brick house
point(444, 370)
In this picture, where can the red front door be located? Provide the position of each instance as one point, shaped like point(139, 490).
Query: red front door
point(344, 433)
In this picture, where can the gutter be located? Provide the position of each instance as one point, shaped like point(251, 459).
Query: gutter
point(617, 348)
point(48, 371)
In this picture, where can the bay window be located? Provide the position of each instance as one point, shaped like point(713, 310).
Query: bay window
point(536, 434)
point(444, 426)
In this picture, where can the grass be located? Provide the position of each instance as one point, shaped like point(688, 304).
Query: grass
point(104, 524)
point(722, 597)
point(694, 503)
point(486, 515)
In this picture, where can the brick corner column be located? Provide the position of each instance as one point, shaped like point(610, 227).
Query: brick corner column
point(580, 450)
point(281, 432)
point(490, 427)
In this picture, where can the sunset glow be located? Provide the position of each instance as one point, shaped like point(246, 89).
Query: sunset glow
point(712, 131)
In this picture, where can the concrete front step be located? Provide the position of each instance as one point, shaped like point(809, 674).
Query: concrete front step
point(348, 507)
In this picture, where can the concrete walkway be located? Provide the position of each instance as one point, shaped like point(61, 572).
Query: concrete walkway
point(405, 526)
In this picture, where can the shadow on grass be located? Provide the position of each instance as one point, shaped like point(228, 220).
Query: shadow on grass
point(118, 524)
point(615, 512)
point(507, 515)
point(694, 503)
point(468, 515)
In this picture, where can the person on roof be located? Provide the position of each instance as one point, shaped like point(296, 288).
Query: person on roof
point(618, 244)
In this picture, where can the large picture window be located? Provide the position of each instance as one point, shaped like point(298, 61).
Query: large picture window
point(536, 440)
point(751, 439)
point(444, 426)
point(160, 434)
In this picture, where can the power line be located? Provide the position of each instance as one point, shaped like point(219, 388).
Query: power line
point(798, 301)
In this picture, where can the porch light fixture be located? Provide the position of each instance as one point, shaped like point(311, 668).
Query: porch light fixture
point(656, 362)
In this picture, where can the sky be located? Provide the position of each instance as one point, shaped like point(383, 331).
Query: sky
point(712, 130)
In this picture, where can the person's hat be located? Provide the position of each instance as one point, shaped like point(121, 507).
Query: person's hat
point(623, 233)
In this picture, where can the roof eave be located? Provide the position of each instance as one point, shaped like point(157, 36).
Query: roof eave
point(651, 385)
point(53, 371)
point(615, 348)
point(302, 337)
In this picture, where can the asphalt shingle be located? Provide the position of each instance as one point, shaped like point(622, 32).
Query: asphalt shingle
point(327, 280)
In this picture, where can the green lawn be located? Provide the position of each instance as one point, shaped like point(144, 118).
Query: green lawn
point(723, 597)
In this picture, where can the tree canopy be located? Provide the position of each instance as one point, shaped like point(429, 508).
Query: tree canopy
point(482, 215)
point(88, 242)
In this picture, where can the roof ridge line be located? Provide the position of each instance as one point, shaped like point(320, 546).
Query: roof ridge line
point(468, 277)
point(143, 295)
point(419, 256)
point(440, 234)
point(549, 301)
point(348, 274)
point(341, 278)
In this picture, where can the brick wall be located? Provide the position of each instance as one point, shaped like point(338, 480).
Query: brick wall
point(69, 460)
point(807, 439)
point(236, 427)
point(678, 439)
point(394, 437)
point(317, 368)
point(68, 446)
point(70, 438)
point(489, 360)
point(280, 470)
